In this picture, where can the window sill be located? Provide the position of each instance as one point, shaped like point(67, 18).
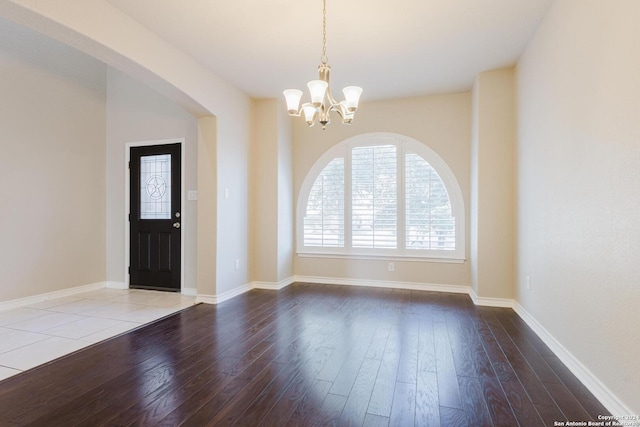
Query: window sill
point(397, 258)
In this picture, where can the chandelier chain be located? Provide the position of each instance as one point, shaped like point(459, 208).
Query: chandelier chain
point(324, 58)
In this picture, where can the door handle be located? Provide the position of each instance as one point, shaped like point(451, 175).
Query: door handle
point(176, 225)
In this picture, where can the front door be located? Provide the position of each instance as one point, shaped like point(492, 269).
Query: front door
point(155, 217)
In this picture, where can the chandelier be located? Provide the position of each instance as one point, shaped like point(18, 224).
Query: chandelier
point(322, 102)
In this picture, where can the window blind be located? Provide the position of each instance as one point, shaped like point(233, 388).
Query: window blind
point(428, 218)
point(324, 219)
point(374, 196)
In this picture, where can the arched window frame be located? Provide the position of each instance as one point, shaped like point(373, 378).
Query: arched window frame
point(404, 143)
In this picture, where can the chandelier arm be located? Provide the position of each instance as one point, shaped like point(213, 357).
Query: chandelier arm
point(324, 74)
point(331, 99)
point(339, 108)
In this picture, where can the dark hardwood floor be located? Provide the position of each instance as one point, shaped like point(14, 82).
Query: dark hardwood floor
point(310, 355)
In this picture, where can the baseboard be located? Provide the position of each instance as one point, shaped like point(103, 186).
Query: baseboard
point(217, 299)
point(116, 285)
point(595, 386)
point(490, 302)
point(433, 287)
point(34, 299)
point(383, 284)
point(274, 286)
point(206, 299)
point(482, 301)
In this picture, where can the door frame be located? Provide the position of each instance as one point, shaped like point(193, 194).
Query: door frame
point(127, 202)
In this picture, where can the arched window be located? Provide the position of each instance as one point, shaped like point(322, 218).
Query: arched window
point(381, 195)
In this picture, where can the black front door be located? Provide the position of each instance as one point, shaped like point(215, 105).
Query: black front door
point(155, 217)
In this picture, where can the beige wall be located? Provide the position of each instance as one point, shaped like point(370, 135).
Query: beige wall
point(232, 172)
point(578, 90)
point(443, 122)
point(52, 169)
point(224, 199)
point(136, 113)
point(271, 193)
point(492, 185)
point(286, 225)
point(264, 189)
point(207, 211)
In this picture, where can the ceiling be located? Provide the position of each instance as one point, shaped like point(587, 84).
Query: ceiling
point(393, 49)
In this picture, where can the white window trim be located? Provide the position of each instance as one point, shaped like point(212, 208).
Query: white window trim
point(343, 149)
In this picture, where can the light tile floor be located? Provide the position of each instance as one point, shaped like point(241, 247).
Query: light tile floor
point(39, 333)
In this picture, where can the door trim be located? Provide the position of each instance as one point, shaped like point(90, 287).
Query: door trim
point(127, 224)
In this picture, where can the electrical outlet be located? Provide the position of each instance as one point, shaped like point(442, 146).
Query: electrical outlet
point(392, 267)
point(529, 282)
point(237, 264)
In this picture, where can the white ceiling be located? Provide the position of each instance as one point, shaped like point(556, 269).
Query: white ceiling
point(393, 49)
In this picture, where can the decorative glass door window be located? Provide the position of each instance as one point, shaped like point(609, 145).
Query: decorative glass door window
point(155, 187)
